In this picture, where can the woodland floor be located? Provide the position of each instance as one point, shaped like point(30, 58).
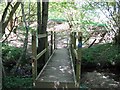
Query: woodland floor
point(91, 77)
point(103, 78)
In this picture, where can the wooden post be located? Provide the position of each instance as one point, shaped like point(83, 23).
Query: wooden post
point(46, 46)
point(71, 43)
point(74, 38)
point(34, 54)
point(51, 42)
point(74, 47)
point(78, 64)
point(54, 40)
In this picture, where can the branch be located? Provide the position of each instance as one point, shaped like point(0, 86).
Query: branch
point(7, 37)
point(92, 43)
point(4, 24)
point(23, 55)
point(105, 13)
point(110, 12)
point(118, 3)
point(8, 34)
point(5, 12)
point(89, 37)
point(103, 35)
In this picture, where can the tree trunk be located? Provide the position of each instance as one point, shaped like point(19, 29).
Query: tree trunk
point(5, 12)
point(44, 15)
point(118, 23)
point(23, 55)
point(44, 20)
point(4, 24)
point(26, 35)
point(41, 28)
point(117, 37)
point(40, 40)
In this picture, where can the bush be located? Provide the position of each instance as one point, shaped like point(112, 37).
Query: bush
point(101, 53)
point(10, 53)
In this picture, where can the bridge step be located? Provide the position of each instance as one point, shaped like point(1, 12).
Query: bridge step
point(55, 84)
point(58, 72)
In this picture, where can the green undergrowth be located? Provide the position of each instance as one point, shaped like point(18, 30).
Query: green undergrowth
point(10, 53)
point(101, 53)
point(10, 56)
point(17, 82)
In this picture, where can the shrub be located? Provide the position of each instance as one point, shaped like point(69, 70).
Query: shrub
point(10, 52)
point(10, 55)
point(101, 53)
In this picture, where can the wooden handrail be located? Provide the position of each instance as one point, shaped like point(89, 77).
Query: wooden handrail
point(50, 34)
point(41, 53)
point(76, 54)
point(51, 42)
point(42, 35)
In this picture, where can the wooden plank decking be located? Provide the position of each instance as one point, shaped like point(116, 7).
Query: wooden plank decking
point(58, 72)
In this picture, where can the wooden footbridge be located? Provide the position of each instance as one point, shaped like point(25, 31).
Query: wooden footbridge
point(62, 68)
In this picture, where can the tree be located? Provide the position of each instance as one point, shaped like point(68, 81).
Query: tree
point(39, 31)
point(5, 22)
point(42, 17)
point(116, 17)
point(112, 11)
point(23, 55)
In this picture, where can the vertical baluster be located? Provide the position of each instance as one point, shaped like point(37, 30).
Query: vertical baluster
point(51, 42)
point(54, 40)
point(34, 54)
point(46, 46)
point(73, 48)
point(78, 67)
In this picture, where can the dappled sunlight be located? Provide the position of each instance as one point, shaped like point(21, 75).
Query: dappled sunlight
point(54, 68)
point(62, 39)
point(99, 79)
point(65, 69)
point(58, 71)
point(56, 84)
point(64, 44)
point(17, 39)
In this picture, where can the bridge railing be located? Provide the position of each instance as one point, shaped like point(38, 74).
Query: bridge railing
point(76, 37)
point(45, 51)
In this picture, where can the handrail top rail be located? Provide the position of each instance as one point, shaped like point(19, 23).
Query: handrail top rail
point(41, 53)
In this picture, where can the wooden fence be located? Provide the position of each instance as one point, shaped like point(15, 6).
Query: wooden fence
point(45, 52)
point(76, 53)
